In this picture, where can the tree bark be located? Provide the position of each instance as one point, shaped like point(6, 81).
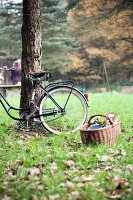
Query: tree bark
point(31, 46)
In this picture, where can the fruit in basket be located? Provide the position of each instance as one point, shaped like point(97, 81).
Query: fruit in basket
point(100, 120)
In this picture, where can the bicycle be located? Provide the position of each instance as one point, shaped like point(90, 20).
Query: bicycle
point(61, 107)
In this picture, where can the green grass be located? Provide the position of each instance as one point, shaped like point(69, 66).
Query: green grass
point(38, 165)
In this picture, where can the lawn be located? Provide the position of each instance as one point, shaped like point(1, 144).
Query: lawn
point(37, 165)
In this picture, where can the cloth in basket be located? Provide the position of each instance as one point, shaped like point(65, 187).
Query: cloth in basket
point(106, 135)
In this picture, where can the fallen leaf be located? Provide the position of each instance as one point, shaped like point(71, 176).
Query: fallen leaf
point(6, 198)
point(54, 197)
point(108, 168)
point(104, 158)
point(130, 168)
point(112, 151)
point(21, 142)
point(122, 152)
point(97, 171)
point(69, 163)
point(100, 190)
point(116, 178)
point(40, 187)
point(118, 170)
point(34, 171)
point(21, 162)
point(123, 130)
point(122, 184)
point(11, 174)
point(116, 196)
point(88, 178)
point(81, 185)
point(33, 197)
point(72, 153)
point(95, 184)
point(75, 195)
point(68, 184)
point(77, 179)
point(53, 166)
point(46, 198)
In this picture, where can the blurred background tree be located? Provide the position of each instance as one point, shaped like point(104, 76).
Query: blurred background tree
point(10, 31)
point(79, 38)
point(105, 35)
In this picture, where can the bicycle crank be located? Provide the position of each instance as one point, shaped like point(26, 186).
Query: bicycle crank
point(24, 123)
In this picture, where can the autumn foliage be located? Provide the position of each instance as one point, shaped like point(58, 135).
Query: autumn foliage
point(105, 35)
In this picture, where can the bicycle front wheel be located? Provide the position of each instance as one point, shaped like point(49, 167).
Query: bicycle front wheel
point(75, 105)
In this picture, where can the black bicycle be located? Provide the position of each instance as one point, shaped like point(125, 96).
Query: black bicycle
point(61, 107)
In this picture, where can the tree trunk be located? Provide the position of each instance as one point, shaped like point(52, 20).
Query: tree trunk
point(31, 46)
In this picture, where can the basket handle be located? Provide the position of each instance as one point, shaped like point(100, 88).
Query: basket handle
point(97, 115)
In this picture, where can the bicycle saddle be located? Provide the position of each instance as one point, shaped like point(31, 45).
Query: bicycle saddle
point(40, 74)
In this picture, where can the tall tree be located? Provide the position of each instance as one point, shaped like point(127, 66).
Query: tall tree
point(56, 41)
point(104, 32)
point(10, 30)
point(31, 46)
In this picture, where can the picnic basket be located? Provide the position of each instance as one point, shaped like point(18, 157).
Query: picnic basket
point(106, 135)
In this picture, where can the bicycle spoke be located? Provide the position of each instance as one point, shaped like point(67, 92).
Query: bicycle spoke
point(75, 110)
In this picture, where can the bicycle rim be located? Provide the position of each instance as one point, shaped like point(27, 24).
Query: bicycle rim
point(76, 110)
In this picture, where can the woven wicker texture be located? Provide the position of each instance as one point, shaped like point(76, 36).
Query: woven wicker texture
point(107, 135)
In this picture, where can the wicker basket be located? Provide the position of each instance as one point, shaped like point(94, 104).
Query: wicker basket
point(106, 135)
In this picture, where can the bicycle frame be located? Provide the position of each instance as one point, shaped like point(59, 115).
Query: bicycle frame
point(46, 90)
point(5, 103)
point(53, 85)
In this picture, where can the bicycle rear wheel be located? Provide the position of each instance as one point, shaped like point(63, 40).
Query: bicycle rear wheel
point(76, 111)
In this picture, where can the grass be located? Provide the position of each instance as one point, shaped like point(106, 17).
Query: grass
point(45, 166)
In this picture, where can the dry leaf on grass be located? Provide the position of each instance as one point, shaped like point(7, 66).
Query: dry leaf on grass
point(123, 152)
point(104, 158)
point(6, 198)
point(72, 153)
point(88, 178)
point(130, 168)
point(109, 167)
point(69, 163)
point(75, 195)
point(10, 174)
point(68, 184)
point(53, 166)
point(111, 151)
point(34, 171)
point(21, 142)
point(54, 197)
point(40, 187)
point(122, 184)
point(33, 197)
point(118, 192)
point(116, 196)
point(81, 185)
point(77, 179)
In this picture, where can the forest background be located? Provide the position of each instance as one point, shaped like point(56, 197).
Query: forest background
point(80, 39)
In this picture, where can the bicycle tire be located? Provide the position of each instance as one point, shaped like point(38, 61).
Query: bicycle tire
point(76, 110)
